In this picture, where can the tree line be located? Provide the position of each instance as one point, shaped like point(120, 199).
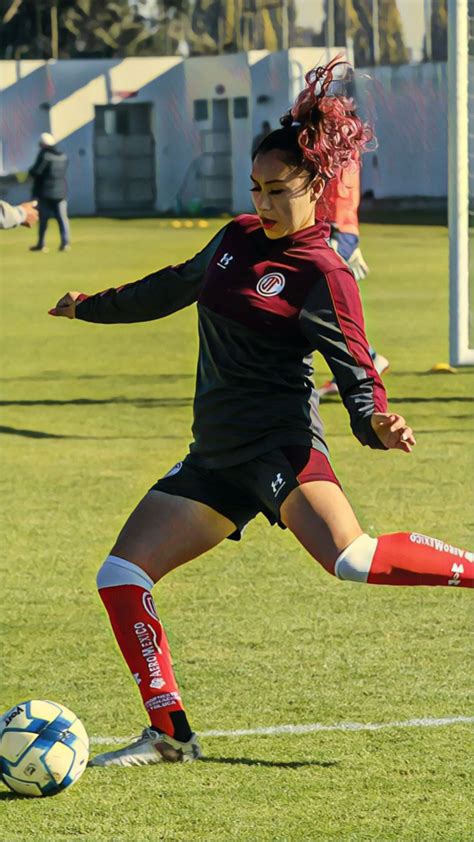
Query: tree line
point(34, 29)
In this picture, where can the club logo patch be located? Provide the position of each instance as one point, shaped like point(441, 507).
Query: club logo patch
point(271, 284)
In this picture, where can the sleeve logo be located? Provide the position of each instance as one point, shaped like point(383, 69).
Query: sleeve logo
point(174, 470)
point(225, 260)
point(271, 284)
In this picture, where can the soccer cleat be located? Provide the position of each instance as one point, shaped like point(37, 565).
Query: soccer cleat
point(44, 249)
point(65, 247)
point(152, 747)
point(328, 388)
point(381, 364)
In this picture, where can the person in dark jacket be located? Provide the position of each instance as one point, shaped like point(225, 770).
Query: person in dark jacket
point(49, 188)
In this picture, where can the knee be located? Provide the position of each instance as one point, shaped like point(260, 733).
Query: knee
point(354, 563)
point(117, 571)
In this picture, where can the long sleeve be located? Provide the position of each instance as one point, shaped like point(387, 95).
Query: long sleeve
point(10, 216)
point(152, 297)
point(332, 321)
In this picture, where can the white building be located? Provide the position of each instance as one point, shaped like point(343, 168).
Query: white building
point(166, 134)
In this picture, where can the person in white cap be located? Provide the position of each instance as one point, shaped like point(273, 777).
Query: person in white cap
point(49, 188)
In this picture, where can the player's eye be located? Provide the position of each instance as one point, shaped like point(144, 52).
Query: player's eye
point(270, 192)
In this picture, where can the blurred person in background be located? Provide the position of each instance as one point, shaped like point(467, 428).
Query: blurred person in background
point(340, 207)
point(49, 188)
point(12, 216)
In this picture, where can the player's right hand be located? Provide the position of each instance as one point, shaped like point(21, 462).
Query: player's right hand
point(66, 305)
point(393, 431)
point(31, 211)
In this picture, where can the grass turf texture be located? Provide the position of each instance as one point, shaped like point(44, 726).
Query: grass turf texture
point(92, 415)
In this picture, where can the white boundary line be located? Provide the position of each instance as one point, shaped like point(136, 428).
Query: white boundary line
point(312, 727)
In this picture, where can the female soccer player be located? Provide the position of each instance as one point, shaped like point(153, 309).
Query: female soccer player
point(269, 291)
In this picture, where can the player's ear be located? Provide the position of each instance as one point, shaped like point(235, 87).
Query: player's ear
point(316, 188)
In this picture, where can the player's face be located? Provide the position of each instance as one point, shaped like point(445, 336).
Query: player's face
point(283, 199)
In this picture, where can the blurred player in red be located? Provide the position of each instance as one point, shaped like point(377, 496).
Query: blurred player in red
point(269, 291)
point(340, 207)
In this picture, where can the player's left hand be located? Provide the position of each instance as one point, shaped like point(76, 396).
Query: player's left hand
point(345, 245)
point(393, 431)
point(359, 267)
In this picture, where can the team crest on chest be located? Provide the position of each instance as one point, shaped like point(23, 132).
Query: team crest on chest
point(271, 284)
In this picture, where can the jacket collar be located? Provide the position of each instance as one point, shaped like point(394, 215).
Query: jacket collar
point(318, 231)
point(307, 236)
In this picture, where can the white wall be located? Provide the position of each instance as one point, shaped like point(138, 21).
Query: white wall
point(24, 114)
point(408, 107)
point(407, 104)
point(70, 90)
point(269, 78)
point(222, 77)
point(80, 85)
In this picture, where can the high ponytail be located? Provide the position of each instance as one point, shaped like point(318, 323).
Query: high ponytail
point(321, 132)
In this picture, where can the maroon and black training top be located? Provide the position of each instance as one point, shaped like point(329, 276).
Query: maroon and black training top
point(264, 306)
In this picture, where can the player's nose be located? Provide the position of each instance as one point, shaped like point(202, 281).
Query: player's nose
point(263, 203)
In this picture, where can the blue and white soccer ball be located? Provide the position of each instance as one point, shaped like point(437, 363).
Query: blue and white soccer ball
point(44, 748)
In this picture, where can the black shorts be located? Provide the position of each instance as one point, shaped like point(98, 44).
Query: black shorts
point(242, 491)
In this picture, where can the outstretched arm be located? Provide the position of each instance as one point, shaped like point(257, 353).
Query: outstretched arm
point(152, 297)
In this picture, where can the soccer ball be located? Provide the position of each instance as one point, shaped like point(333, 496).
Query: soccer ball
point(44, 748)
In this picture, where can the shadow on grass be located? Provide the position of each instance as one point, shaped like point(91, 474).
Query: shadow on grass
point(424, 373)
point(38, 434)
point(147, 403)
point(231, 761)
point(436, 399)
point(153, 403)
point(65, 375)
point(334, 399)
point(277, 764)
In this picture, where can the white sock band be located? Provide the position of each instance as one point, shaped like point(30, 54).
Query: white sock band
point(354, 562)
point(117, 571)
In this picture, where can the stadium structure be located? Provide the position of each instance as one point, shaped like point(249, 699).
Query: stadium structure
point(174, 135)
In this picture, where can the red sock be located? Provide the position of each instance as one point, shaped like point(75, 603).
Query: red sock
point(142, 641)
point(409, 558)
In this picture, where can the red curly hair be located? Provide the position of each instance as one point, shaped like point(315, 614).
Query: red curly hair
point(321, 132)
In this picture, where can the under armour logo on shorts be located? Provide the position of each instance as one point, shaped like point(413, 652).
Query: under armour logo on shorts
point(277, 484)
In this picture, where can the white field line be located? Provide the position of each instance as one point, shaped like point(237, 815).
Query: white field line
point(314, 727)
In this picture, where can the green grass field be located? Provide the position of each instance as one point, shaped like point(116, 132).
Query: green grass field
point(261, 636)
